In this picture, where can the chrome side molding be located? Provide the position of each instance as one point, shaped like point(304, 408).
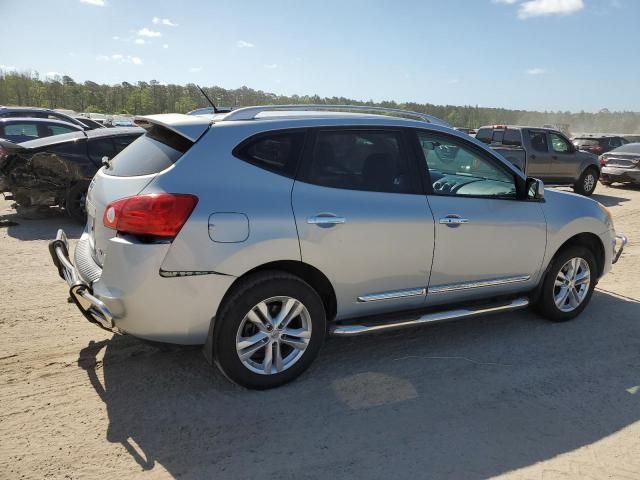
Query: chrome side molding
point(478, 284)
point(375, 297)
point(446, 315)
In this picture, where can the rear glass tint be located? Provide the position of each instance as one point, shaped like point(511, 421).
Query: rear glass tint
point(512, 138)
point(275, 151)
point(151, 153)
point(585, 142)
point(484, 135)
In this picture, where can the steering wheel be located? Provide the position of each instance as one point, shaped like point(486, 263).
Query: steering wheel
point(446, 153)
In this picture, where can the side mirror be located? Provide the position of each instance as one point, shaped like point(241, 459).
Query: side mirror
point(535, 189)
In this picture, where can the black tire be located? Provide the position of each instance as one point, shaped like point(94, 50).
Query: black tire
point(587, 182)
point(75, 201)
point(546, 304)
point(246, 295)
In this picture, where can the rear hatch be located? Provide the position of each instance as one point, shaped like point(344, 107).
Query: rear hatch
point(167, 139)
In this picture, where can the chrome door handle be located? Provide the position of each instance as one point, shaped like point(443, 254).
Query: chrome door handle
point(453, 220)
point(325, 220)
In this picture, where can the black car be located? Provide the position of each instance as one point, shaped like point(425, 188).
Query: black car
point(598, 144)
point(19, 129)
point(57, 170)
point(34, 112)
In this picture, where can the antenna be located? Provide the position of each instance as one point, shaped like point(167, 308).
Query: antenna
point(215, 109)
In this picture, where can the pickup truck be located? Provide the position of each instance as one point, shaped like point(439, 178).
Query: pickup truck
point(544, 153)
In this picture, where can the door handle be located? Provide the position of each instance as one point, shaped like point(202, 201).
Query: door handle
point(325, 220)
point(453, 220)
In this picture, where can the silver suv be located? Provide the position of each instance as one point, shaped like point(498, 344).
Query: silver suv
point(259, 231)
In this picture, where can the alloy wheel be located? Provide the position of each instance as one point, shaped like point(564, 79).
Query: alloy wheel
point(273, 335)
point(572, 284)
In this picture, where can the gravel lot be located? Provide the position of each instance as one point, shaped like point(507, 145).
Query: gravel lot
point(510, 396)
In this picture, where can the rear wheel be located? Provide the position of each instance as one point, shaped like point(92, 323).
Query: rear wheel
point(587, 182)
point(269, 331)
point(75, 202)
point(568, 285)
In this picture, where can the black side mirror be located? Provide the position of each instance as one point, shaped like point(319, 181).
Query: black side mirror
point(535, 189)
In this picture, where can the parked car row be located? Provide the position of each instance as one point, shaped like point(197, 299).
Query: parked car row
point(259, 231)
point(56, 170)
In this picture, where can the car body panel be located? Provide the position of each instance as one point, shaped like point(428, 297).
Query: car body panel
point(389, 248)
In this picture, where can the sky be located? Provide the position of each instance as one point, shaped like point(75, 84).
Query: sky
point(522, 54)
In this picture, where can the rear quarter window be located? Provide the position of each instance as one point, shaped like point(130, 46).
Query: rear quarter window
point(278, 152)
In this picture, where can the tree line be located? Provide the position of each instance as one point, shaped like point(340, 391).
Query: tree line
point(27, 88)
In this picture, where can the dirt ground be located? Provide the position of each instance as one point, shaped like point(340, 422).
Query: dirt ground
point(510, 396)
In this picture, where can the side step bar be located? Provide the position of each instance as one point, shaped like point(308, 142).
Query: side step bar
point(351, 330)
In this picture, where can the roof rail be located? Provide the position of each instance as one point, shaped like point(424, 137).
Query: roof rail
point(250, 113)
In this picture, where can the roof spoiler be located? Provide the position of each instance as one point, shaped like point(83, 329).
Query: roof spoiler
point(189, 127)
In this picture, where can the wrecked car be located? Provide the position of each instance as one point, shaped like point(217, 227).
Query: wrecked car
point(56, 171)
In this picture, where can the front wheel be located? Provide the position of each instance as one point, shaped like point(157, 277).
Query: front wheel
point(568, 285)
point(269, 331)
point(587, 182)
point(75, 201)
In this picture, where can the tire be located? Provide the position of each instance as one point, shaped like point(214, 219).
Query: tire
point(587, 182)
point(550, 292)
point(75, 201)
point(241, 327)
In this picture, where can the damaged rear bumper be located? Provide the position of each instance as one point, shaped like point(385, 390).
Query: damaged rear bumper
point(80, 292)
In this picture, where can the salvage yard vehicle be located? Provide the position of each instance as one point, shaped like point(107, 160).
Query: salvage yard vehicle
point(598, 144)
point(259, 231)
point(546, 154)
point(18, 130)
point(621, 165)
point(57, 170)
point(35, 112)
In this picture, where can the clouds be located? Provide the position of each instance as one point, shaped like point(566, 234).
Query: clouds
point(271, 66)
point(95, 3)
point(7, 68)
point(541, 8)
point(244, 44)
point(139, 41)
point(165, 45)
point(145, 32)
point(163, 21)
point(536, 71)
point(119, 58)
point(195, 69)
point(538, 8)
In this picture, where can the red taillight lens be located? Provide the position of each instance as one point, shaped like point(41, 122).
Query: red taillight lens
point(158, 214)
point(603, 160)
point(597, 149)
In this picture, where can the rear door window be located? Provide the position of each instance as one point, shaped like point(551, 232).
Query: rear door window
point(512, 138)
point(539, 141)
point(368, 160)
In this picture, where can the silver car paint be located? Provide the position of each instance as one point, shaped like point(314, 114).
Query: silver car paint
point(364, 256)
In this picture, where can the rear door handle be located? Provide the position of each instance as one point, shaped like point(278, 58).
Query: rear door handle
point(325, 220)
point(453, 220)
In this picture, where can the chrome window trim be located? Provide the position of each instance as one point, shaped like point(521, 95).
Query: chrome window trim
point(375, 297)
point(477, 284)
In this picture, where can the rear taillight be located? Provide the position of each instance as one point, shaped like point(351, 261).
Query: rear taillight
point(603, 160)
point(597, 149)
point(157, 214)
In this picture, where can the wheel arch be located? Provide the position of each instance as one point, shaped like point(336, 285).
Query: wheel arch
point(588, 240)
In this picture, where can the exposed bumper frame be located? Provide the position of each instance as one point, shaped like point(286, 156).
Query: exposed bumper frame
point(80, 292)
point(623, 240)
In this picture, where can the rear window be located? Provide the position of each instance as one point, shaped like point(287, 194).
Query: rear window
point(628, 148)
point(151, 153)
point(484, 135)
point(585, 142)
point(512, 138)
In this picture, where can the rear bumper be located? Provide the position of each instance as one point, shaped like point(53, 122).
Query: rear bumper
point(80, 291)
point(620, 174)
point(619, 243)
point(129, 294)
